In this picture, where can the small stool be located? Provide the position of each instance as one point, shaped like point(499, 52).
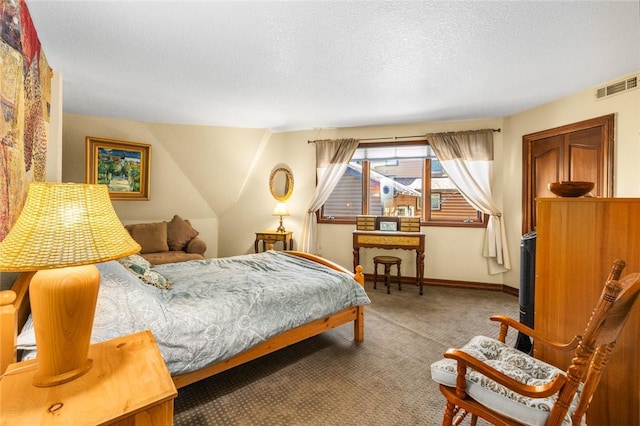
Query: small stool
point(388, 262)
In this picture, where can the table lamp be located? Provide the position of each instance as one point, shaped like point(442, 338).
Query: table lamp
point(281, 210)
point(62, 231)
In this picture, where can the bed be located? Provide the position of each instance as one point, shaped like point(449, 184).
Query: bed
point(215, 314)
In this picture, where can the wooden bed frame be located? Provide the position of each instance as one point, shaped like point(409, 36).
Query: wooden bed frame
point(14, 311)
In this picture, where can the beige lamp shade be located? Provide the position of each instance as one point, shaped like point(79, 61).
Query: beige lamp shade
point(281, 210)
point(65, 224)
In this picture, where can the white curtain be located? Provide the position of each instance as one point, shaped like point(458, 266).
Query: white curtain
point(467, 157)
point(332, 158)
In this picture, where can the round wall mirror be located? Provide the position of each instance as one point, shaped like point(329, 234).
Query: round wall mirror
point(281, 184)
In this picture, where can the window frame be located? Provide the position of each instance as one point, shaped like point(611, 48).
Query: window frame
point(425, 219)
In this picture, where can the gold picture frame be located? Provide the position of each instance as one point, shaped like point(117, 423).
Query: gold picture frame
point(123, 166)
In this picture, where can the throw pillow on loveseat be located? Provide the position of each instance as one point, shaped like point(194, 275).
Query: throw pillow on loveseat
point(168, 242)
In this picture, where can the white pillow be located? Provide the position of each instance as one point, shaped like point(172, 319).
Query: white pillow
point(27, 336)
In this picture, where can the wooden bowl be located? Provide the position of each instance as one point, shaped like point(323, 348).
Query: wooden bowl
point(571, 188)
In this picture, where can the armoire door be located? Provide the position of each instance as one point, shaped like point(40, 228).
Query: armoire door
point(580, 152)
point(577, 241)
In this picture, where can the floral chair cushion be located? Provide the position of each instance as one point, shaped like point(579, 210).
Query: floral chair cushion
point(515, 364)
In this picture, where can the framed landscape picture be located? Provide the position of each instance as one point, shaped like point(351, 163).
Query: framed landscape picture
point(122, 166)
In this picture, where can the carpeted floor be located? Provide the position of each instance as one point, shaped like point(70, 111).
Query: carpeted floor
point(330, 380)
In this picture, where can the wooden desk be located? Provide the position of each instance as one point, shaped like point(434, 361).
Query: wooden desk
point(128, 384)
point(391, 240)
point(271, 237)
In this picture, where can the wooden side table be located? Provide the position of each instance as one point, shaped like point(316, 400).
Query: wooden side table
point(269, 238)
point(129, 384)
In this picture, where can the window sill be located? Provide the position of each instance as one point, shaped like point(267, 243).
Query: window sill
point(476, 224)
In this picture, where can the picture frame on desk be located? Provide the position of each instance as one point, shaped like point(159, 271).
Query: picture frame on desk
point(388, 226)
point(387, 223)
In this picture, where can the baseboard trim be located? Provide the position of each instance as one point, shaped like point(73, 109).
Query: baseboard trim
point(435, 282)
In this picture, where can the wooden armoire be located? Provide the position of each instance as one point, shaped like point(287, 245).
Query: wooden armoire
point(577, 241)
point(581, 151)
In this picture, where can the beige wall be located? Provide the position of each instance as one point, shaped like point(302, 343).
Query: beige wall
point(576, 107)
point(218, 177)
point(445, 246)
point(196, 171)
point(54, 146)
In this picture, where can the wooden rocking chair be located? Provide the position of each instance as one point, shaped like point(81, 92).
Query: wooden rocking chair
point(504, 386)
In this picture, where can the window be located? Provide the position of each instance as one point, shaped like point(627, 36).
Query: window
point(398, 179)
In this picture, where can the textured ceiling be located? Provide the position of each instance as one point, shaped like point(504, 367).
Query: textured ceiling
point(303, 64)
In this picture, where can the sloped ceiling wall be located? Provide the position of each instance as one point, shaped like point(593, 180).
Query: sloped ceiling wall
point(196, 172)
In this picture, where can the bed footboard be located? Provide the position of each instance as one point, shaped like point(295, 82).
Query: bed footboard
point(303, 332)
point(298, 334)
point(358, 275)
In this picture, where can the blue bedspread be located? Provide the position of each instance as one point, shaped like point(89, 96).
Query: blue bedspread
point(217, 308)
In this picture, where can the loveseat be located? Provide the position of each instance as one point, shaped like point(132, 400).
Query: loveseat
point(168, 242)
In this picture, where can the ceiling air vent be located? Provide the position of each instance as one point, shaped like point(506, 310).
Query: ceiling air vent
point(617, 87)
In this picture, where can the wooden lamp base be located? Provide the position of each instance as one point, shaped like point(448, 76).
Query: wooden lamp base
point(63, 304)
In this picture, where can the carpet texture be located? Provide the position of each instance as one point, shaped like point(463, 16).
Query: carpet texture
point(331, 380)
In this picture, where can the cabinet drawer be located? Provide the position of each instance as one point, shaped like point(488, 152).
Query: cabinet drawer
point(410, 224)
point(365, 223)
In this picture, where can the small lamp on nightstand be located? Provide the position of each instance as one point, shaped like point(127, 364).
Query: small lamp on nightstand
point(281, 210)
point(62, 231)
